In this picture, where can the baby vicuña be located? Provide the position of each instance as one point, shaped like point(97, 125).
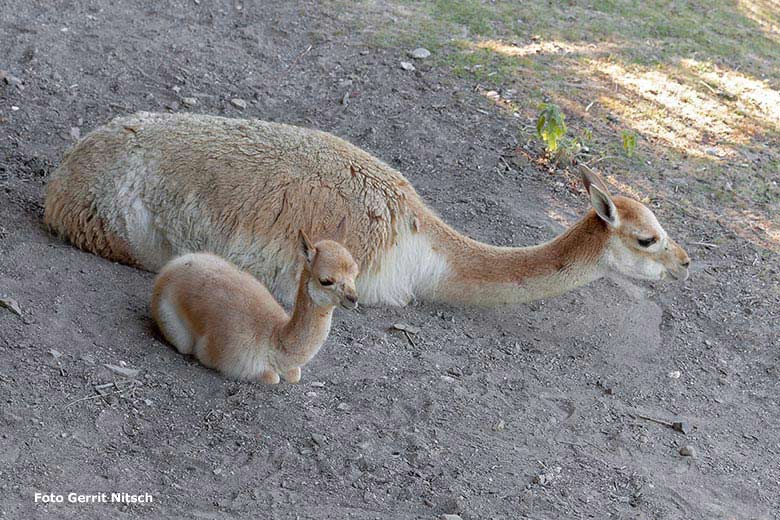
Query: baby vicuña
point(207, 307)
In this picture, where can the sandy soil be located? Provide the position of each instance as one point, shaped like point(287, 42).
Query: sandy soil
point(526, 412)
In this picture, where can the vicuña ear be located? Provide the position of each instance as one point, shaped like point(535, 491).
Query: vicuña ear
point(341, 231)
point(604, 206)
point(591, 178)
point(307, 249)
point(599, 196)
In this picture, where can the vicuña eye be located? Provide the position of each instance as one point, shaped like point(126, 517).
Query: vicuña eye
point(326, 282)
point(647, 242)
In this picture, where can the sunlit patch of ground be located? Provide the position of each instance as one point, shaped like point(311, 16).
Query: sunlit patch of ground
point(753, 97)
point(659, 106)
point(543, 47)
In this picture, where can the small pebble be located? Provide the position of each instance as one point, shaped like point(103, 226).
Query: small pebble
point(688, 451)
point(683, 427)
point(343, 407)
point(541, 479)
point(674, 374)
point(9, 303)
point(455, 371)
point(238, 103)
point(311, 394)
point(548, 476)
point(318, 384)
point(607, 386)
point(407, 66)
point(189, 101)
point(11, 80)
point(448, 379)
point(499, 426)
point(405, 327)
point(420, 53)
point(319, 439)
point(450, 517)
point(122, 370)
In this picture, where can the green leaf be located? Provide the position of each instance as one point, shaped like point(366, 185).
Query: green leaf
point(629, 142)
point(550, 126)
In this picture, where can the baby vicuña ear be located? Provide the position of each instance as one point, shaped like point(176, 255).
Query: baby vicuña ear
point(307, 249)
point(341, 231)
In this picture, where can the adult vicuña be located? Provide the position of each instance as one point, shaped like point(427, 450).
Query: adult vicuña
point(147, 187)
point(207, 307)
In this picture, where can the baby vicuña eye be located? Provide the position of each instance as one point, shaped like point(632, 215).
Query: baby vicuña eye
point(647, 242)
point(326, 282)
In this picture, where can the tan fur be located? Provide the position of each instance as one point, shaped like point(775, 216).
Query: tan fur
point(88, 230)
point(148, 187)
point(207, 307)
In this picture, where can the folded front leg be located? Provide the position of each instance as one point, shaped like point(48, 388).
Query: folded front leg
point(269, 377)
point(293, 375)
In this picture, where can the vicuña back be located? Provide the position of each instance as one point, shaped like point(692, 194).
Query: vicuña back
point(146, 188)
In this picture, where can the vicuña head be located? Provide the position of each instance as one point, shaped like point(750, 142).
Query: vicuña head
point(145, 188)
point(638, 247)
point(617, 236)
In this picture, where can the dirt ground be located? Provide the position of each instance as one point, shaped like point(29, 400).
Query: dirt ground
point(526, 412)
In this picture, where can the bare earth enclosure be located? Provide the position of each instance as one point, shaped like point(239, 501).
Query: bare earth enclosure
point(537, 411)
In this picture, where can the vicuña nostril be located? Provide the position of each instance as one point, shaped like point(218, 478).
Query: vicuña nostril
point(686, 264)
point(351, 298)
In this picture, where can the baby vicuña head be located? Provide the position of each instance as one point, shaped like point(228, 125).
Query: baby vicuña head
point(331, 272)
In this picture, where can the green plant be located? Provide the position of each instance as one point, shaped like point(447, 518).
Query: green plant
point(568, 151)
point(550, 126)
point(629, 142)
point(587, 136)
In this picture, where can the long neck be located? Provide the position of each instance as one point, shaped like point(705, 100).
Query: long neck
point(302, 336)
point(487, 275)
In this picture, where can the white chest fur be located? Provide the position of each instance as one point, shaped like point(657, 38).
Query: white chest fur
point(409, 269)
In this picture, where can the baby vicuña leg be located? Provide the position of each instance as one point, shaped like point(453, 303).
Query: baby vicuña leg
point(293, 375)
point(269, 377)
point(173, 326)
